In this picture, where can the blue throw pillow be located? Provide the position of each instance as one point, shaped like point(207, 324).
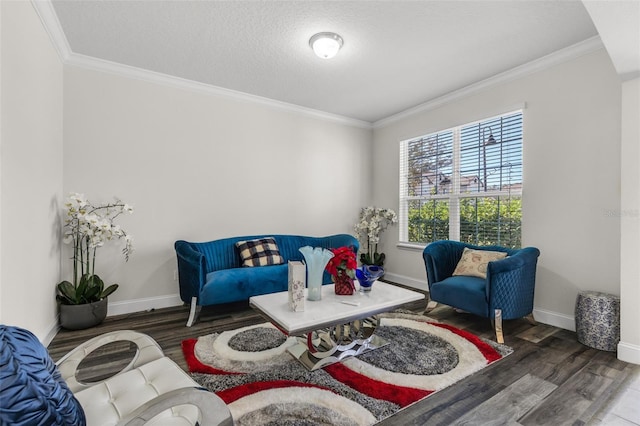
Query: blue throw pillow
point(32, 392)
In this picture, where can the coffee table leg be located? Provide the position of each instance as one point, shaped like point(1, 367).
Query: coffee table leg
point(320, 348)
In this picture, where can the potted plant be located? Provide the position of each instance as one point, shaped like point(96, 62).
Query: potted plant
point(373, 221)
point(83, 302)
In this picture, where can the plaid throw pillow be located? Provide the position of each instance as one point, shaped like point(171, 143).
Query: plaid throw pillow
point(259, 252)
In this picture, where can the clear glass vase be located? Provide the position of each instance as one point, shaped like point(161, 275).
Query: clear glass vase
point(316, 260)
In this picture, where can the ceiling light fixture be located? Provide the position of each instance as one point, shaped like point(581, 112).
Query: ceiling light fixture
point(326, 45)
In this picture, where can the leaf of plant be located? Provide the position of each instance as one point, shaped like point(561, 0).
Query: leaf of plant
point(67, 290)
point(64, 300)
point(67, 293)
point(85, 282)
point(97, 281)
point(92, 294)
point(107, 291)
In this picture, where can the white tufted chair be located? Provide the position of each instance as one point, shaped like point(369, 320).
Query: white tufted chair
point(151, 389)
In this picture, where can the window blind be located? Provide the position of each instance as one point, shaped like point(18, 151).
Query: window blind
point(464, 183)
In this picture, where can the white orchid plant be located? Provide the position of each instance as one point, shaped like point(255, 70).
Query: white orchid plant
point(88, 227)
point(373, 221)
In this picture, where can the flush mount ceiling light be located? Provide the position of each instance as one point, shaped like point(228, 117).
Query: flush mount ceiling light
point(326, 45)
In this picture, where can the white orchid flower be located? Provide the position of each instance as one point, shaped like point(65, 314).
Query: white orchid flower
point(88, 227)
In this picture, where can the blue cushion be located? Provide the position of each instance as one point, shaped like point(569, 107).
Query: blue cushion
point(232, 285)
point(32, 392)
point(462, 292)
point(236, 284)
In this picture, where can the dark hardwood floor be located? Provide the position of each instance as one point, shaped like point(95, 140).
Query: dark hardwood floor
point(549, 379)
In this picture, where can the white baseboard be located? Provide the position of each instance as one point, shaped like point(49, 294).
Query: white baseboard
point(120, 308)
point(555, 319)
point(141, 305)
point(628, 352)
point(408, 281)
point(53, 330)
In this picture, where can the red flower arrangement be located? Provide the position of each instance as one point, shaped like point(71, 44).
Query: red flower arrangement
point(343, 262)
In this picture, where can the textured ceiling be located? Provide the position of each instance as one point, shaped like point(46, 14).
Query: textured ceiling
point(396, 54)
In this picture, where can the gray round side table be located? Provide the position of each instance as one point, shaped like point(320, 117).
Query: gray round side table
point(597, 318)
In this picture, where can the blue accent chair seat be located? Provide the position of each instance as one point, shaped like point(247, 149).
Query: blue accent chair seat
point(211, 273)
point(506, 293)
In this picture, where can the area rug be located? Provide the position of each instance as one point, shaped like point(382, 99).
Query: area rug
point(251, 370)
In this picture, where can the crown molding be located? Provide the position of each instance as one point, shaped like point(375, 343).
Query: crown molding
point(47, 14)
point(102, 65)
point(49, 18)
point(572, 52)
point(45, 11)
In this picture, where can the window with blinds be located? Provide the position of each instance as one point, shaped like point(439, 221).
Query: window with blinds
point(464, 184)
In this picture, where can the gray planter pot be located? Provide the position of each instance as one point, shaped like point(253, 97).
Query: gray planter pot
point(79, 317)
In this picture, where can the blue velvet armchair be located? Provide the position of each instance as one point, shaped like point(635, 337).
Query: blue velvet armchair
point(506, 292)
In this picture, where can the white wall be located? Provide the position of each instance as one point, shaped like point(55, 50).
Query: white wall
point(31, 171)
point(629, 347)
point(199, 167)
point(571, 176)
point(187, 161)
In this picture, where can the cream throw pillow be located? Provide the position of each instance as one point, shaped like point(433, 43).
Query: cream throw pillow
point(473, 263)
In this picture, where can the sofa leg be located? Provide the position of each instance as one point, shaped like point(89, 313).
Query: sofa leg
point(498, 325)
point(193, 312)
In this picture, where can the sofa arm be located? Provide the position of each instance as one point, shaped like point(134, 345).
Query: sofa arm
point(213, 411)
point(511, 283)
point(147, 350)
point(441, 259)
point(191, 270)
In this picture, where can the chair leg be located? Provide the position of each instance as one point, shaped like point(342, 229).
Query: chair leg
point(498, 326)
point(193, 312)
point(431, 305)
point(531, 319)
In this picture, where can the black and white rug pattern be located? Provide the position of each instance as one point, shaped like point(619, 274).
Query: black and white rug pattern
point(251, 370)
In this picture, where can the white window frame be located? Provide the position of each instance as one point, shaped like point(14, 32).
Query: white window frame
point(454, 196)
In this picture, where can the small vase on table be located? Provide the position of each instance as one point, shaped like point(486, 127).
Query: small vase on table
point(367, 275)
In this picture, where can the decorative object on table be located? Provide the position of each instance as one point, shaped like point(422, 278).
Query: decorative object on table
point(83, 302)
point(598, 320)
point(252, 371)
point(316, 260)
point(373, 221)
point(367, 275)
point(342, 268)
point(297, 280)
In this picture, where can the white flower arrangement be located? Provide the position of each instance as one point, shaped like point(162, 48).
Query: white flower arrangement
point(88, 227)
point(373, 221)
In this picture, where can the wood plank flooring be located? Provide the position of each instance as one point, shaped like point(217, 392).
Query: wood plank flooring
point(550, 379)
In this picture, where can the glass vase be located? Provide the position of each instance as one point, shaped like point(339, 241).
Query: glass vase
point(316, 260)
point(367, 275)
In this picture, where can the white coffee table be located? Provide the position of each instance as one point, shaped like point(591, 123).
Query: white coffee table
point(335, 327)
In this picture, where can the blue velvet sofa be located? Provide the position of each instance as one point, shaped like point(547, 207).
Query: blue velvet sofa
point(506, 292)
point(210, 273)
